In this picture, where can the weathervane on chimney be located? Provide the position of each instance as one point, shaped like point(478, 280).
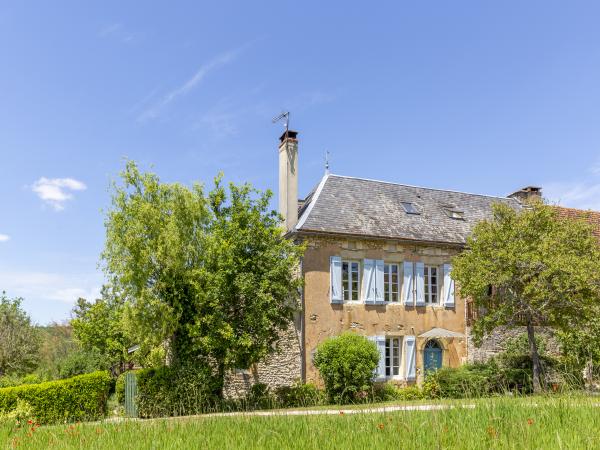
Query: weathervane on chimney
point(326, 162)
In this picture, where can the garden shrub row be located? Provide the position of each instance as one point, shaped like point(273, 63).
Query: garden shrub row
point(175, 391)
point(73, 399)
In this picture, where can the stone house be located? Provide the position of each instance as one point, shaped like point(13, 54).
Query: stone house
point(378, 261)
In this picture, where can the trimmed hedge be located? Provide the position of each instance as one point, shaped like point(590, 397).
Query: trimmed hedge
point(176, 391)
point(79, 398)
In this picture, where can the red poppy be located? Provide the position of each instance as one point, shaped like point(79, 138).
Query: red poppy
point(380, 426)
point(529, 421)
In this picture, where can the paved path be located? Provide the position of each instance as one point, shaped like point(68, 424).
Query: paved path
point(317, 412)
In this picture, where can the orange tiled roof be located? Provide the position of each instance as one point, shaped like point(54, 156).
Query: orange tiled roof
point(592, 216)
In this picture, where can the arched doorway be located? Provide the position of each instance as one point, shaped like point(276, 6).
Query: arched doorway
point(432, 356)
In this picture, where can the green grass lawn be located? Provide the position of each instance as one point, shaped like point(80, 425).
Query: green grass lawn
point(536, 422)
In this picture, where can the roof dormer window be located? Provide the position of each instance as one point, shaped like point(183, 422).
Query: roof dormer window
point(410, 208)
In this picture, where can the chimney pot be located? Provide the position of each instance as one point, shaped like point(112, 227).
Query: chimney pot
point(528, 194)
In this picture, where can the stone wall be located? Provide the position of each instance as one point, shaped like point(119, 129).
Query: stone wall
point(495, 342)
point(282, 368)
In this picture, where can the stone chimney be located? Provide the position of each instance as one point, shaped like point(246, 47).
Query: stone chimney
point(528, 194)
point(288, 178)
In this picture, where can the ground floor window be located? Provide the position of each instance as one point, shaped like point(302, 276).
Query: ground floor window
point(392, 357)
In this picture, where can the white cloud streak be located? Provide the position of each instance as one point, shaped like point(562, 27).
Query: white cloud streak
point(57, 191)
point(4, 237)
point(221, 60)
point(582, 195)
point(117, 31)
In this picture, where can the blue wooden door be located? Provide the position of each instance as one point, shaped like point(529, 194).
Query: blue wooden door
point(432, 357)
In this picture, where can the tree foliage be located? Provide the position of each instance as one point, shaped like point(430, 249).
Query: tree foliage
point(529, 266)
point(210, 273)
point(98, 328)
point(19, 340)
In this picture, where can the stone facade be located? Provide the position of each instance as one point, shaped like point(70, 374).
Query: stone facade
point(282, 368)
point(495, 342)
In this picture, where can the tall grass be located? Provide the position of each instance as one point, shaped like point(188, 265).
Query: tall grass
point(501, 422)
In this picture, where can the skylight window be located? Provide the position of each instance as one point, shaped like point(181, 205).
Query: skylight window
point(410, 208)
point(455, 213)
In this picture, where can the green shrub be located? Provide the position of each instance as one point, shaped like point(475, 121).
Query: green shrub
point(476, 380)
point(346, 364)
point(300, 395)
point(174, 391)
point(260, 397)
point(21, 413)
point(80, 362)
point(410, 393)
point(385, 392)
point(78, 398)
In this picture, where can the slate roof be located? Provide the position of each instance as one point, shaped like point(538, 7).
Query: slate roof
point(361, 207)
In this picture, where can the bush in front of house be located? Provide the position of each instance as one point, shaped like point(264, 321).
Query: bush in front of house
point(386, 392)
point(476, 380)
point(176, 390)
point(73, 399)
point(346, 364)
point(300, 395)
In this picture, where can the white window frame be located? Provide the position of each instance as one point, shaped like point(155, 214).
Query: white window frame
point(389, 284)
point(391, 366)
point(348, 287)
point(428, 291)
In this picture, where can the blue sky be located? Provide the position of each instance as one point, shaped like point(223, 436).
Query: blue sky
point(467, 95)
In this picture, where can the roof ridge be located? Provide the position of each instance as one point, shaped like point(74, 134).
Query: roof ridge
point(423, 187)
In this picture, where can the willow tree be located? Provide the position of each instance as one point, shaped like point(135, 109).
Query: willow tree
point(529, 267)
point(210, 273)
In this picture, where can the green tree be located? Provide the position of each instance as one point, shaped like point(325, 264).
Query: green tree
point(529, 266)
point(19, 340)
point(211, 274)
point(98, 327)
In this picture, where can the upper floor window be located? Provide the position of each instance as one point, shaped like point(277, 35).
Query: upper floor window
point(431, 284)
point(391, 282)
point(350, 280)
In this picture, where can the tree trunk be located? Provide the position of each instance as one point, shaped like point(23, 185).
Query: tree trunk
point(535, 358)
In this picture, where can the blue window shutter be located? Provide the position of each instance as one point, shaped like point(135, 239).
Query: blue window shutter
point(408, 286)
point(335, 269)
point(381, 348)
point(448, 287)
point(420, 291)
point(379, 287)
point(411, 357)
point(369, 280)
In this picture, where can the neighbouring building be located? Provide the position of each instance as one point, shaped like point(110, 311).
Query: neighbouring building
point(378, 262)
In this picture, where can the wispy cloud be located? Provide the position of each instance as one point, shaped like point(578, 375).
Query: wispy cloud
point(582, 195)
point(188, 86)
point(118, 32)
point(57, 191)
point(49, 286)
point(4, 237)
